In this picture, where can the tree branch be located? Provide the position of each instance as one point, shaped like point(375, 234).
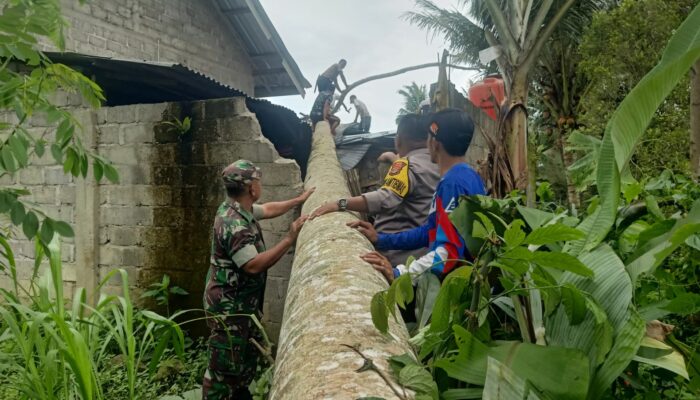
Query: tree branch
point(369, 365)
point(350, 87)
point(526, 21)
point(546, 33)
point(534, 29)
point(504, 32)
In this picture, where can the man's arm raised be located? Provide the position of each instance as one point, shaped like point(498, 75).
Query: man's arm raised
point(276, 208)
point(265, 260)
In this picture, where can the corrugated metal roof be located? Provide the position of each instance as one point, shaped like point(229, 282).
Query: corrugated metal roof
point(138, 82)
point(351, 149)
point(274, 70)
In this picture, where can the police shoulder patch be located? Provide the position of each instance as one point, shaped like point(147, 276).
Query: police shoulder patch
point(396, 179)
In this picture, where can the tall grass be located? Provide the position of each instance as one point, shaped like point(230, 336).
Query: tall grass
point(53, 349)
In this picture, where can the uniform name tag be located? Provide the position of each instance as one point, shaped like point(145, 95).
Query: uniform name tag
point(396, 179)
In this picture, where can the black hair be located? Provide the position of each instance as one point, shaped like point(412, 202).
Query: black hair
point(412, 127)
point(352, 96)
point(342, 60)
point(455, 130)
point(235, 189)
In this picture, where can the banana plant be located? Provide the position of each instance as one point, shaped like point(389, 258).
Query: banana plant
point(563, 288)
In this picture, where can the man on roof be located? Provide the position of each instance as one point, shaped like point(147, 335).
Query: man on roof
point(328, 80)
point(362, 112)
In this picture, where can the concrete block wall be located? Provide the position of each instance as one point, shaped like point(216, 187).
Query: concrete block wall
point(193, 33)
point(157, 220)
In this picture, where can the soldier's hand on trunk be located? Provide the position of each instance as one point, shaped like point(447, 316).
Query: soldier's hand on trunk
point(304, 196)
point(295, 227)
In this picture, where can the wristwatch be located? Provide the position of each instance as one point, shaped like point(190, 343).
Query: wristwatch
point(342, 204)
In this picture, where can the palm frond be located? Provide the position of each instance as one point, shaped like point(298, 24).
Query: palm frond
point(464, 37)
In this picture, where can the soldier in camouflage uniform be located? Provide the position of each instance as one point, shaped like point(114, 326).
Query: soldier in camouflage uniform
point(235, 283)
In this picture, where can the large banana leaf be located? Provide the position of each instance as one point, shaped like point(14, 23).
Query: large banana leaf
point(612, 331)
point(625, 347)
point(561, 373)
point(628, 123)
point(503, 384)
point(652, 253)
point(669, 359)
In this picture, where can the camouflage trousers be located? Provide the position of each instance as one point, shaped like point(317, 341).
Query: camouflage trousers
point(233, 361)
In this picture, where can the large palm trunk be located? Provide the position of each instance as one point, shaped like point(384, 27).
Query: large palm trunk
point(516, 129)
point(328, 300)
point(695, 120)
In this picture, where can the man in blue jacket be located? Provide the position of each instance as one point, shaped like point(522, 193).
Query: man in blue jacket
point(450, 132)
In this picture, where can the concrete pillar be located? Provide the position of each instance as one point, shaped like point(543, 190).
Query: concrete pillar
point(328, 301)
point(87, 216)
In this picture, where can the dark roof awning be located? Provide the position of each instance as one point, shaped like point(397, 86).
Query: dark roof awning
point(135, 82)
point(274, 70)
point(128, 82)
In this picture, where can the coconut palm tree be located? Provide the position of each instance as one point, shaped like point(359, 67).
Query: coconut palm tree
point(512, 33)
point(413, 95)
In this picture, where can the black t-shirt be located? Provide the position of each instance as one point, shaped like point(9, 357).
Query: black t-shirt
point(317, 109)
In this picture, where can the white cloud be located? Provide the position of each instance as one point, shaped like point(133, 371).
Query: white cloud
point(374, 39)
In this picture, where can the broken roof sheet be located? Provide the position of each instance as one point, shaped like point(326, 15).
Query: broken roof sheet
point(351, 149)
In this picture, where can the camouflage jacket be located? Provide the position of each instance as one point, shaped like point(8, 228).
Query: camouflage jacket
point(237, 239)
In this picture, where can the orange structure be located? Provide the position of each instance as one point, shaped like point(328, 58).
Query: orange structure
point(483, 93)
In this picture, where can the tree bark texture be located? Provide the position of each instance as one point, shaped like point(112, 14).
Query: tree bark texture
point(695, 120)
point(516, 134)
point(328, 301)
point(568, 159)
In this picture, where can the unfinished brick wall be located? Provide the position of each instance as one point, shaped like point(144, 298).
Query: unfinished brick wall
point(157, 219)
point(193, 33)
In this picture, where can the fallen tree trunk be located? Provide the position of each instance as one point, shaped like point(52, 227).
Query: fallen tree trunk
point(328, 301)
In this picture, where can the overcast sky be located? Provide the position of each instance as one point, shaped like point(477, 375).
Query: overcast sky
point(372, 36)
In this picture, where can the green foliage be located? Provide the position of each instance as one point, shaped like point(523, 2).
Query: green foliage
point(53, 348)
point(260, 387)
point(161, 292)
point(57, 353)
point(28, 83)
point(413, 95)
point(613, 65)
point(180, 127)
point(571, 291)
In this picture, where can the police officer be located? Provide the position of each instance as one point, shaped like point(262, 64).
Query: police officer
point(403, 202)
point(451, 132)
point(235, 283)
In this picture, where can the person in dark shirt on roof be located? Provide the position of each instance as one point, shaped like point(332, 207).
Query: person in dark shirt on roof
point(328, 80)
point(321, 110)
point(450, 132)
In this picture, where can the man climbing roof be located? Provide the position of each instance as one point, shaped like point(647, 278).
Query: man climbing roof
point(321, 110)
point(235, 283)
point(450, 133)
point(362, 113)
point(328, 80)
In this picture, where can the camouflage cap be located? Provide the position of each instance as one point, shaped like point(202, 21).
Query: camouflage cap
point(241, 171)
